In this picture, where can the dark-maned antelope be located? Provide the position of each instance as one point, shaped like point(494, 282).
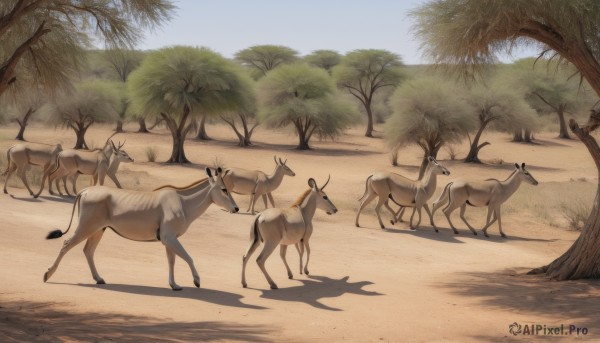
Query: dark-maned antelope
point(256, 183)
point(20, 156)
point(283, 227)
point(161, 215)
point(403, 191)
point(491, 193)
point(96, 163)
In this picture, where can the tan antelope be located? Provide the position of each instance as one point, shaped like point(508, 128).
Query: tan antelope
point(162, 215)
point(256, 183)
point(287, 226)
point(403, 191)
point(20, 156)
point(96, 163)
point(491, 193)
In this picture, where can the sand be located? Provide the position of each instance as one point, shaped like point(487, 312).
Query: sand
point(366, 284)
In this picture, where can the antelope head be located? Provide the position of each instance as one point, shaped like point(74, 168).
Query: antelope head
point(323, 201)
point(525, 175)
point(282, 164)
point(219, 193)
point(120, 154)
point(437, 168)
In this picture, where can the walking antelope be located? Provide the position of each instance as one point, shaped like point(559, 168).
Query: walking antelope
point(403, 191)
point(162, 215)
point(283, 227)
point(491, 193)
point(256, 183)
point(20, 156)
point(97, 163)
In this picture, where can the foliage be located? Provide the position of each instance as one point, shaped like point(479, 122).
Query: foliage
point(325, 59)
point(305, 97)
point(260, 59)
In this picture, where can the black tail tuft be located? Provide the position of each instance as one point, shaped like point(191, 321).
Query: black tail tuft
point(54, 234)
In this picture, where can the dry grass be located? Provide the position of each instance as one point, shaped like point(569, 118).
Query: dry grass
point(151, 153)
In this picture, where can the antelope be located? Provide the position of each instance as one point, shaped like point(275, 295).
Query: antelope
point(403, 191)
point(20, 156)
point(97, 163)
point(286, 226)
point(147, 216)
point(491, 193)
point(257, 183)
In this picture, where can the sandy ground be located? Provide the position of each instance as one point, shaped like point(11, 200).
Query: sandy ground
point(367, 284)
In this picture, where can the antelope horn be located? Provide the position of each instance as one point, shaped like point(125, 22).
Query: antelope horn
point(284, 162)
point(280, 161)
point(121, 145)
point(326, 182)
point(275, 159)
point(113, 145)
point(108, 139)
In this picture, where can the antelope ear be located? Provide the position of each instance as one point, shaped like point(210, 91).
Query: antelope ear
point(517, 166)
point(219, 171)
point(208, 173)
point(523, 166)
point(275, 159)
point(312, 183)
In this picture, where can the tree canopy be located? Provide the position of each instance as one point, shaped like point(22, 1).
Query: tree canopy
point(325, 59)
point(260, 59)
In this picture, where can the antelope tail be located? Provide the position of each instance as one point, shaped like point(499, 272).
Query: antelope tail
point(254, 233)
point(441, 200)
point(58, 233)
point(366, 188)
point(56, 165)
point(7, 162)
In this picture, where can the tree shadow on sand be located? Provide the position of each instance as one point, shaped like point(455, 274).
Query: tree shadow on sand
point(569, 302)
point(202, 294)
point(319, 287)
point(446, 235)
point(26, 321)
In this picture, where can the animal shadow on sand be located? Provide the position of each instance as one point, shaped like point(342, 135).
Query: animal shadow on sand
point(202, 294)
point(529, 296)
point(26, 321)
point(446, 235)
point(319, 287)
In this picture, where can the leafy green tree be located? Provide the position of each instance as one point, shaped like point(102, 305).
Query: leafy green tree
point(325, 59)
point(305, 97)
point(428, 113)
point(469, 34)
point(92, 102)
point(178, 83)
point(21, 101)
point(245, 114)
point(260, 59)
point(364, 72)
point(47, 38)
point(500, 107)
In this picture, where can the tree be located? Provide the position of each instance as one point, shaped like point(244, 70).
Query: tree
point(305, 97)
point(363, 72)
point(501, 107)
point(47, 38)
point(260, 59)
point(245, 113)
point(469, 35)
point(123, 62)
point(428, 113)
point(92, 102)
point(325, 59)
point(21, 102)
point(179, 83)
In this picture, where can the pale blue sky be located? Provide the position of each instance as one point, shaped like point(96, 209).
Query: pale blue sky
point(228, 26)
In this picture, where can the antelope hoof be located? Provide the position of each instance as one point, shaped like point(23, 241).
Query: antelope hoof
point(274, 286)
point(456, 232)
point(306, 271)
point(176, 287)
point(5, 191)
point(35, 196)
point(485, 234)
point(474, 233)
point(354, 224)
point(197, 283)
point(392, 222)
point(245, 285)
point(46, 276)
point(413, 228)
point(290, 276)
point(436, 230)
point(503, 235)
point(100, 282)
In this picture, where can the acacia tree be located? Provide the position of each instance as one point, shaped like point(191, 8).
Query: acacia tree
point(260, 59)
point(123, 62)
point(506, 110)
point(305, 97)
point(179, 83)
point(325, 59)
point(21, 102)
point(46, 38)
point(92, 102)
point(245, 114)
point(469, 34)
point(363, 72)
point(428, 113)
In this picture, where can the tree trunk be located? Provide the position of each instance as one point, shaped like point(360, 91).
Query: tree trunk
point(528, 136)
point(302, 142)
point(80, 143)
point(394, 156)
point(202, 135)
point(564, 132)
point(518, 135)
point(369, 132)
point(119, 128)
point(472, 156)
point(177, 153)
point(23, 124)
point(142, 123)
point(431, 151)
point(21, 132)
point(582, 260)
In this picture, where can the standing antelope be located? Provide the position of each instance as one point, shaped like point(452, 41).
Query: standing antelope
point(491, 193)
point(256, 183)
point(20, 156)
point(403, 191)
point(97, 163)
point(283, 227)
point(162, 215)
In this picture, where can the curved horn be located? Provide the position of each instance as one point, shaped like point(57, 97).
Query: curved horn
point(275, 159)
point(113, 145)
point(326, 182)
point(121, 145)
point(108, 139)
point(284, 162)
point(280, 161)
